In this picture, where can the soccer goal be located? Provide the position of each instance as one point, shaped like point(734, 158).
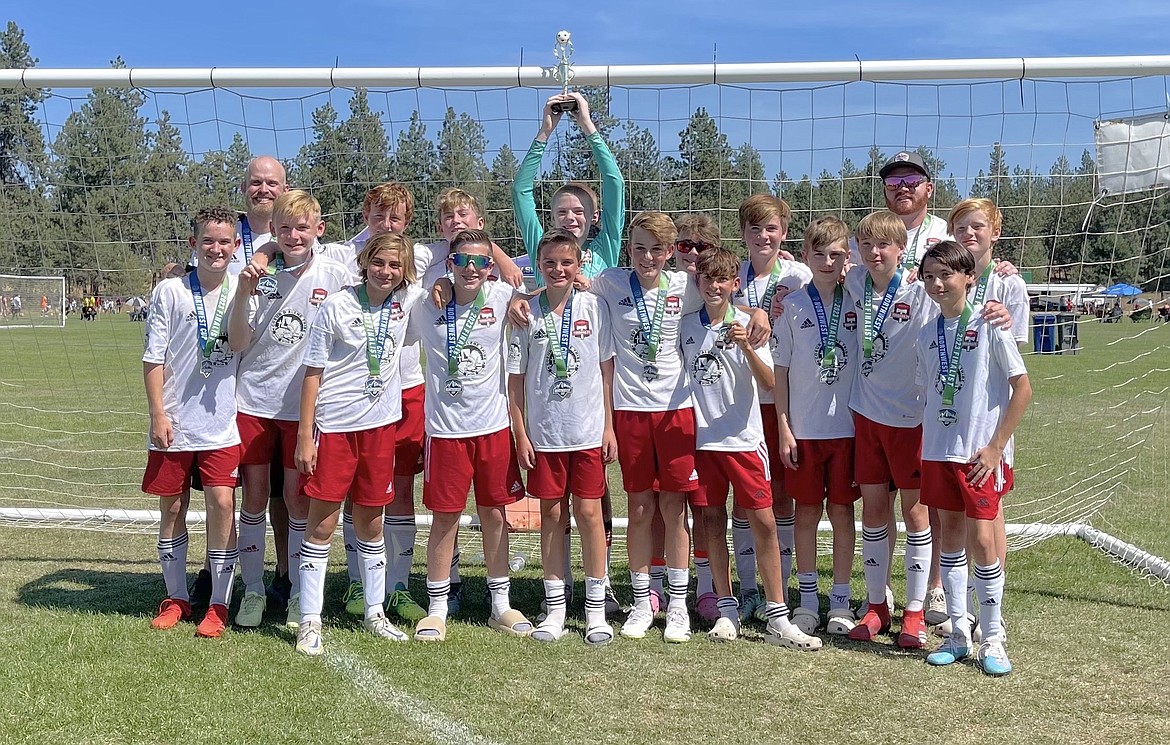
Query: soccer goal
point(1070, 149)
point(32, 302)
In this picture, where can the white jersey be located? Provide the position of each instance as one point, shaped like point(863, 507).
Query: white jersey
point(637, 384)
point(989, 360)
point(1013, 293)
point(727, 406)
point(575, 421)
point(270, 368)
point(474, 402)
point(337, 343)
point(885, 390)
point(818, 403)
point(202, 409)
point(792, 276)
point(344, 254)
point(932, 230)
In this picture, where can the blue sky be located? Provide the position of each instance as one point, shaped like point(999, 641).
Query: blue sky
point(68, 33)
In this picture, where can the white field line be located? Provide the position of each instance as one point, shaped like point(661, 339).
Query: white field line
point(436, 725)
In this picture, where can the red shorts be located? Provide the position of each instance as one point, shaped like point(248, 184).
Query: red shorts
point(885, 454)
point(825, 470)
point(358, 464)
point(772, 437)
point(945, 487)
point(260, 438)
point(168, 473)
point(453, 465)
point(408, 449)
point(656, 450)
point(557, 474)
point(747, 472)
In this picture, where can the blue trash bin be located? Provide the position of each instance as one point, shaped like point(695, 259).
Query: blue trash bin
point(1044, 334)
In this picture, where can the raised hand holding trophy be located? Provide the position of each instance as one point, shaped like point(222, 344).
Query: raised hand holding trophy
point(563, 72)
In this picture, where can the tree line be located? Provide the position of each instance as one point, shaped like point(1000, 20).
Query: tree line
point(109, 199)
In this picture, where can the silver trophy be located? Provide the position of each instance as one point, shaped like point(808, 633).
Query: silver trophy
point(563, 72)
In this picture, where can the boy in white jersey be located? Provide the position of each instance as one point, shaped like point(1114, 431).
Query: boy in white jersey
point(563, 438)
point(350, 403)
point(269, 327)
point(469, 440)
point(816, 363)
point(190, 378)
point(724, 371)
point(764, 279)
point(977, 390)
point(887, 415)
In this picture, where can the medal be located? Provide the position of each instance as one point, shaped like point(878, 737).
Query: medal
point(558, 348)
point(827, 375)
point(206, 334)
point(947, 416)
point(650, 372)
point(828, 330)
point(267, 286)
point(651, 329)
point(453, 387)
point(562, 388)
point(375, 338)
point(866, 367)
point(205, 368)
point(374, 386)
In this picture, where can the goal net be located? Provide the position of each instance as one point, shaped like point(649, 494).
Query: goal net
point(29, 302)
point(110, 176)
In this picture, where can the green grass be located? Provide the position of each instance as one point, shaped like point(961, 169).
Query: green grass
point(1087, 636)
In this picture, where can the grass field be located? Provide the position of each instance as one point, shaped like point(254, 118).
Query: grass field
point(1087, 636)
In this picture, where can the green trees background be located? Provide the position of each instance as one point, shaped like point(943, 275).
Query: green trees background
point(108, 200)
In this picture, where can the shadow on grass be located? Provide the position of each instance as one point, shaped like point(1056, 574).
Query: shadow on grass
point(1089, 598)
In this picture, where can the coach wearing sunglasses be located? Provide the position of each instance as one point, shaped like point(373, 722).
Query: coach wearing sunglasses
point(908, 189)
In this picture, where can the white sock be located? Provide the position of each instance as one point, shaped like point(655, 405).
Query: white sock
point(875, 556)
point(554, 601)
point(953, 566)
point(296, 537)
point(372, 567)
point(223, 574)
point(777, 615)
point(351, 550)
point(989, 588)
point(678, 581)
point(499, 589)
point(703, 584)
point(657, 577)
point(745, 554)
point(594, 601)
point(640, 584)
point(314, 562)
point(917, 568)
point(251, 545)
point(808, 591)
point(437, 594)
point(786, 537)
point(172, 557)
point(399, 533)
point(840, 597)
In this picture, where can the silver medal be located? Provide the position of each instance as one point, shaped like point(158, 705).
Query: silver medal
point(562, 388)
point(453, 387)
point(867, 368)
point(650, 372)
point(267, 286)
point(205, 368)
point(374, 386)
point(827, 375)
point(947, 417)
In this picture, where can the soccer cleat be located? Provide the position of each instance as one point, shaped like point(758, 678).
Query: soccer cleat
point(707, 606)
point(806, 620)
point(678, 626)
point(200, 592)
point(841, 622)
point(309, 639)
point(278, 593)
point(380, 626)
point(293, 618)
point(936, 607)
point(251, 611)
point(725, 630)
point(637, 623)
point(875, 621)
point(213, 624)
point(612, 606)
point(749, 602)
point(454, 599)
point(170, 613)
point(913, 633)
point(953, 649)
point(355, 599)
point(401, 604)
point(993, 658)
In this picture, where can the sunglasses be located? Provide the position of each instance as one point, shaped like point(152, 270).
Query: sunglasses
point(478, 261)
point(893, 183)
point(686, 247)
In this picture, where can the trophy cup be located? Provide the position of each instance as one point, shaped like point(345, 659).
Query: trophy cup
point(563, 72)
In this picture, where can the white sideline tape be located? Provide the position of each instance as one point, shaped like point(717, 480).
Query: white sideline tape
point(439, 727)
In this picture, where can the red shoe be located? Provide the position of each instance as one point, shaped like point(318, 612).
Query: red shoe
point(170, 612)
point(875, 621)
point(213, 624)
point(913, 634)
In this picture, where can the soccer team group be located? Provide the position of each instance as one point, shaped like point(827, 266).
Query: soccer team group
point(884, 364)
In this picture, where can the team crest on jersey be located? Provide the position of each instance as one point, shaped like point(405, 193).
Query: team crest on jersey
point(638, 343)
point(706, 369)
point(970, 339)
point(900, 312)
point(318, 296)
point(396, 313)
point(472, 360)
point(626, 302)
point(673, 305)
point(581, 329)
point(487, 317)
point(939, 383)
point(288, 327)
point(850, 322)
point(572, 363)
point(513, 353)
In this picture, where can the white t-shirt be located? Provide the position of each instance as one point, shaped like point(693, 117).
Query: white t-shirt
point(930, 231)
point(792, 276)
point(817, 409)
point(337, 343)
point(270, 368)
point(989, 360)
point(1013, 293)
point(885, 390)
point(727, 407)
point(576, 421)
point(202, 410)
point(479, 405)
point(667, 390)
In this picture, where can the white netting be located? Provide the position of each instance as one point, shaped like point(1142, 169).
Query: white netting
point(26, 302)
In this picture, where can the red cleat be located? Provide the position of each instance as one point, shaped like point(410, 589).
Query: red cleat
point(875, 621)
point(913, 634)
point(170, 612)
point(213, 624)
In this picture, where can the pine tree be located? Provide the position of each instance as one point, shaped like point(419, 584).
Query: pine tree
point(414, 165)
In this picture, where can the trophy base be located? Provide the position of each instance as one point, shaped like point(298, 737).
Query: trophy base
point(560, 108)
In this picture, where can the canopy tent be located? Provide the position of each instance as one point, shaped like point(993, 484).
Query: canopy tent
point(1121, 290)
